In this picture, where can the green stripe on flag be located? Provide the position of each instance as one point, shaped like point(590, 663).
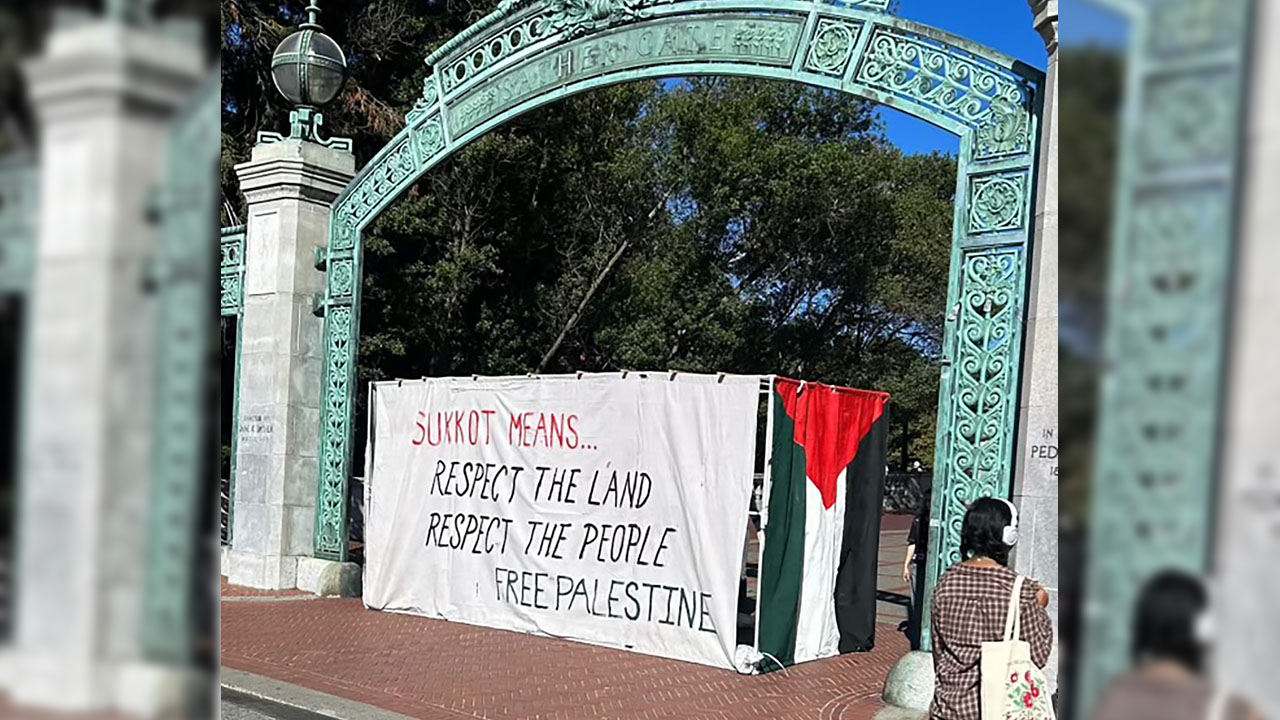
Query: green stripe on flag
point(782, 564)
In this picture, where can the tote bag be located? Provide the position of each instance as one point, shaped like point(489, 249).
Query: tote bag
point(1013, 688)
point(1217, 705)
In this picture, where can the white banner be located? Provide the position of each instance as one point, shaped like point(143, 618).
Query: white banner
point(602, 509)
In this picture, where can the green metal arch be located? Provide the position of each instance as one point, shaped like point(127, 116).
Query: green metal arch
point(368, 193)
point(526, 55)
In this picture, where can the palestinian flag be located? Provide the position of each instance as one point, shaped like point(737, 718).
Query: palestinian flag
point(822, 529)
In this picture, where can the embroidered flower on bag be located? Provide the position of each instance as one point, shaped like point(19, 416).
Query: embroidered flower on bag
point(1024, 698)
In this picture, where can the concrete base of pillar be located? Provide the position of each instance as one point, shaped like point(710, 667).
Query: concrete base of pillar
point(224, 560)
point(271, 572)
point(155, 691)
point(909, 685)
point(140, 690)
point(58, 683)
point(261, 572)
point(328, 578)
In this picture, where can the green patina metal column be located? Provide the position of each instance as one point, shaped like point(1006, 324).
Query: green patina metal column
point(231, 304)
point(18, 210)
point(982, 363)
point(1172, 246)
point(183, 279)
point(550, 50)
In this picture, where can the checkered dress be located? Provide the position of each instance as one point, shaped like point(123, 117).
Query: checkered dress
point(969, 608)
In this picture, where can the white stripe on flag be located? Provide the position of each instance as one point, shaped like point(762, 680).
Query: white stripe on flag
point(817, 635)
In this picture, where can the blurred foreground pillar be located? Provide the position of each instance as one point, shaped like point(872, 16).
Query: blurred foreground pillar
point(104, 95)
point(289, 186)
point(1035, 488)
point(1247, 581)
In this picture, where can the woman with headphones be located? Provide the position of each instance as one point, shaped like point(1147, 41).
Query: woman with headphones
point(1172, 634)
point(970, 606)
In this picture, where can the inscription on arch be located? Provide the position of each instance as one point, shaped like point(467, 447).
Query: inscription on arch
point(763, 40)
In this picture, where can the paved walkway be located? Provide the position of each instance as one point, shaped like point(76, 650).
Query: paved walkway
point(893, 548)
point(434, 669)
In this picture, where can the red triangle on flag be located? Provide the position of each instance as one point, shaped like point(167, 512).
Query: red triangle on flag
point(830, 424)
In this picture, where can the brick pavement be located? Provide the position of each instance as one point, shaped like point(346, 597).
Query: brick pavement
point(435, 669)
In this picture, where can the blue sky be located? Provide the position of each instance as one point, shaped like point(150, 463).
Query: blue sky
point(1091, 23)
point(1003, 25)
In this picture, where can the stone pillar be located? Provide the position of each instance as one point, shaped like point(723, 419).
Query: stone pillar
point(1035, 488)
point(1248, 513)
point(289, 186)
point(104, 95)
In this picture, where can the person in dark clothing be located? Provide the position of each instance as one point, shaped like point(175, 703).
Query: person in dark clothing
point(913, 568)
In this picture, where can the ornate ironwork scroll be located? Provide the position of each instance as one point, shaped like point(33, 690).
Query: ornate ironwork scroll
point(231, 270)
point(833, 45)
point(522, 56)
point(1173, 236)
point(982, 406)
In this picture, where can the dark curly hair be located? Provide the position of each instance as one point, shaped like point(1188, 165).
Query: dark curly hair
point(1164, 620)
point(983, 530)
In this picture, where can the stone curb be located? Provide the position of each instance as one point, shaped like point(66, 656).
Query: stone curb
point(312, 701)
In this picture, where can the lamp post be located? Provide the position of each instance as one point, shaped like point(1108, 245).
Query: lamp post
point(309, 69)
point(289, 186)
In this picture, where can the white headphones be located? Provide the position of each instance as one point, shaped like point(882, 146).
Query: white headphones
point(1204, 628)
point(1010, 536)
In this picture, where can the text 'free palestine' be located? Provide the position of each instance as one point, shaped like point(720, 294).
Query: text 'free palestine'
point(620, 599)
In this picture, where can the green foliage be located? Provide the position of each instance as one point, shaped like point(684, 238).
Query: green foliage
point(706, 225)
